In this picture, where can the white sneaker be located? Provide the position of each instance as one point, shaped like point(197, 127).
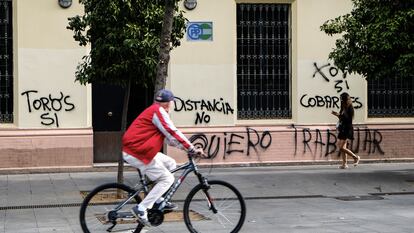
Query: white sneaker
point(142, 216)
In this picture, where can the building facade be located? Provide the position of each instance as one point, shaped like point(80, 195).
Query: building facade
point(257, 86)
point(252, 80)
point(45, 115)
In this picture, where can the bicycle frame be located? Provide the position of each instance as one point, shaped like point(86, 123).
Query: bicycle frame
point(200, 192)
point(188, 167)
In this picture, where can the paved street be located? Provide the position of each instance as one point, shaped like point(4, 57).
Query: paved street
point(319, 198)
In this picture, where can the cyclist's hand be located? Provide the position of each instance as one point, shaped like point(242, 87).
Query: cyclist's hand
point(198, 152)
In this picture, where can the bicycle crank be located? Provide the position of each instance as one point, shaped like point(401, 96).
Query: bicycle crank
point(155, 217)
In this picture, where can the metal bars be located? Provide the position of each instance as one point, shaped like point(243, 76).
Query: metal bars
point(6, 62)
point(263, 61)
point(391, 98)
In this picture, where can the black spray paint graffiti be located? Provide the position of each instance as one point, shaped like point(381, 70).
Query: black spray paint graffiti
point(49, 105)
point(333, 72)
point(230, 142)
point(201, 107)
point(325, 101)
point(366, 140)
point(370, 140)
point(326, 72)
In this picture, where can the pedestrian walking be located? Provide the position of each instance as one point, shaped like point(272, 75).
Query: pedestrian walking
point(345, 129)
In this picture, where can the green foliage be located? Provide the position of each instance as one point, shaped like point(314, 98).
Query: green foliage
point(124, 37)
point(377, 39)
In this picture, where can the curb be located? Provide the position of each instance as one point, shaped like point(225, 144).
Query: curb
point(113, 167)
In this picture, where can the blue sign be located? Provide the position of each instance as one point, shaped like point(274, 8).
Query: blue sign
point(200, 31)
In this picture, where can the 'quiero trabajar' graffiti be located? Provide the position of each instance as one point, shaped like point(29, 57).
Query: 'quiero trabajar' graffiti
point(368, 140)
point(313, 142)
point(241, 143)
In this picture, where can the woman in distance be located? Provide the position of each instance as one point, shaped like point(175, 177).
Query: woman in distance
point(345, 129)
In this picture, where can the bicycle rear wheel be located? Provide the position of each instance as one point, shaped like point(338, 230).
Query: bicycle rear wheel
point(199, 215)
point(96, 212)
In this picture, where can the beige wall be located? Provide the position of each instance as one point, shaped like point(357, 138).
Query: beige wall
point(313, 49)
point(46, 56)
point(318, 96)
point(45, 65)
point(312, 42)
point(52, 123)
point(207, 70)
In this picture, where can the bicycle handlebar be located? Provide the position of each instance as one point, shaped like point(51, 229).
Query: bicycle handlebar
point(195, 155)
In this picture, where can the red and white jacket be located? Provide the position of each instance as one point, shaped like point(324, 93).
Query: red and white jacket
point(145, 136)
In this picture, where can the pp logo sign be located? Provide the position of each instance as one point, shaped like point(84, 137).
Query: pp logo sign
point(200, 31)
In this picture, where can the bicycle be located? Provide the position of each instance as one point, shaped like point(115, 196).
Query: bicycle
point(210, 206)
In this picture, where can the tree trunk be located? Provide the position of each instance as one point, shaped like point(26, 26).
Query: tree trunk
point(165, 46)
point(123, 129)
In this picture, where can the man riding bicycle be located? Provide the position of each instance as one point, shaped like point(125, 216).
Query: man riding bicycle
point(142, 143)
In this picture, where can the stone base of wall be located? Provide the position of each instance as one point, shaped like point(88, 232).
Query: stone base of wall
point(298, 144)
point(72, 149)
point(43, 149)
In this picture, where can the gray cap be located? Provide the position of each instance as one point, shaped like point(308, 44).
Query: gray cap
point(164, 95)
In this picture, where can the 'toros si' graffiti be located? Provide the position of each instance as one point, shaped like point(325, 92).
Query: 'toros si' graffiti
point(50, 105)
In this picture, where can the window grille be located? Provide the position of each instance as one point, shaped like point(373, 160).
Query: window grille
point(391, 98)
point(6, 62)
point(263, 61)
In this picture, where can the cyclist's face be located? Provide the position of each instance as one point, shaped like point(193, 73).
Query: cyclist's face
point(167, 105)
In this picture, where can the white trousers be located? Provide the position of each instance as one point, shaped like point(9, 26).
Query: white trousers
point(158, 170)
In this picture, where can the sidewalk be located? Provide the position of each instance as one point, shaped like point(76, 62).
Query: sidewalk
point(50, 202)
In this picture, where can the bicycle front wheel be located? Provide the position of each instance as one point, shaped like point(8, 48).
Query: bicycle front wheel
point(220, 208)
point(99, 210)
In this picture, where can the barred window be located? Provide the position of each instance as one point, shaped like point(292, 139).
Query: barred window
point(6, 62)
point(391, 98)
point(263, 61)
